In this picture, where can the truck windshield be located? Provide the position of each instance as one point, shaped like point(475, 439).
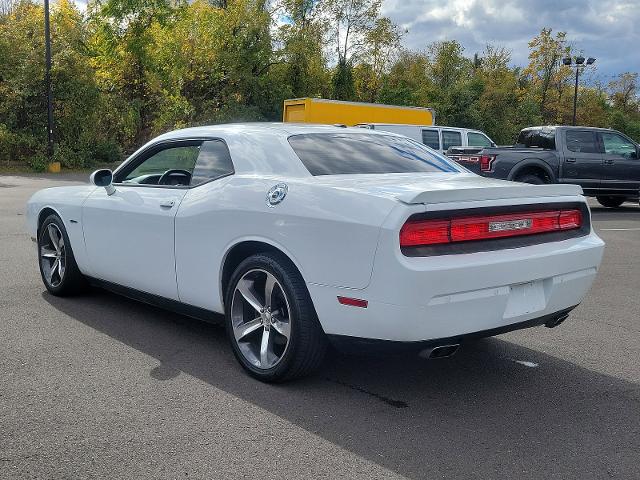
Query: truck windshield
point(538, 138)
point(356, 153)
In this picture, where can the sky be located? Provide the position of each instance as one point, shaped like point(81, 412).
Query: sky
point(608, 30)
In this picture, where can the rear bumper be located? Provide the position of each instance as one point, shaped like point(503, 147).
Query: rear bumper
point(444, 297)
point(349, 344)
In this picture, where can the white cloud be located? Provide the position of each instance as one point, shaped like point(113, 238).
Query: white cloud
point(606, 29)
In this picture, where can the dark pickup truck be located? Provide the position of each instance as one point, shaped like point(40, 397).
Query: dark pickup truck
point(604, 162)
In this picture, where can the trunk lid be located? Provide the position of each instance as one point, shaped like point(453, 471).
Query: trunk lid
point(416, 188)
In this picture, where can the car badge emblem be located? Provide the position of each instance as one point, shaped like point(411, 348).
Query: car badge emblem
point(510, 225)
point(276, 194)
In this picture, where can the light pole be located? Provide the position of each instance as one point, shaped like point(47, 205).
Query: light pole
point(579, 64)
point(47, 80)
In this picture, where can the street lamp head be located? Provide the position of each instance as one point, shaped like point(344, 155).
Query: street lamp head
point(579, 60)
point(590, 60)
point(566, 60)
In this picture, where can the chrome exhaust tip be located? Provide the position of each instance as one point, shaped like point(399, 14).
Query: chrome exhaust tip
point(442, 351)
point(556, 321)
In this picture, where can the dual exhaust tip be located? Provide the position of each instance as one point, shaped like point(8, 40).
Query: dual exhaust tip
point(556, 321)
point(446, 351)
point(442, 351)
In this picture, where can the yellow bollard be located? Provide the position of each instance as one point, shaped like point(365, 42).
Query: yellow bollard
point(54, 167)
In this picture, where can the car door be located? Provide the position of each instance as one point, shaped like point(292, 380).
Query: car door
point(129, 235)
point(582, 162)
point(621, 163)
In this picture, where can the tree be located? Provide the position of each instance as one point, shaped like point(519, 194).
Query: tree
point(382, 42)
point(352, 23)
point(545, 70)
point(624, 92)
point(302, 37)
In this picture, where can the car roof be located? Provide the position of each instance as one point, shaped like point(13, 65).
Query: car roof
point(257, 148)
point(461, 129)
point(275, 128)
point(568, 127)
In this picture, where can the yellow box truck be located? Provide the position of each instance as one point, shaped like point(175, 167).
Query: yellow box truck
point(319, 110)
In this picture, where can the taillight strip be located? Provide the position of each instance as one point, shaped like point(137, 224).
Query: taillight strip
point(486, 227)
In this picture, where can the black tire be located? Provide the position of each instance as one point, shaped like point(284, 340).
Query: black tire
point(609, 201)
point(531, 178)
point(307, 343)
point(71, 281)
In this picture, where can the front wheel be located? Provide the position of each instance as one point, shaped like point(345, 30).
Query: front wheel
point(609, 201)
point(271, 322)
point(58, 267)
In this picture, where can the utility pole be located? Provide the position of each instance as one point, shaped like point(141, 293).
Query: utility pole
point(47, 81)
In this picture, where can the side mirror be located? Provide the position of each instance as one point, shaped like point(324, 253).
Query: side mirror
point(103, 178)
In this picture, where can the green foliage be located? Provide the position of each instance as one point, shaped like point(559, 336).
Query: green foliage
point(126, 70)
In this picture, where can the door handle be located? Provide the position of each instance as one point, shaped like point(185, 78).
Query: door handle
point(167, 203)
point(609, 161)
point(570, 160)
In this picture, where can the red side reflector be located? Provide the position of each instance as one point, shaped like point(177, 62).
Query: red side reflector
point(486, 227)
point(353, 302)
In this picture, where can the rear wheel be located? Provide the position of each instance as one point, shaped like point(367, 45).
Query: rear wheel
point(58, 268)
point(609, 201)
point(271, 322)
point(531, 178)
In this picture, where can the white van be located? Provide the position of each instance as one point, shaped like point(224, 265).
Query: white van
point(434, 136)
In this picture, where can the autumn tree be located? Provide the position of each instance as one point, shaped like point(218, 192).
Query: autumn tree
point(301, 51)
point(546, 73)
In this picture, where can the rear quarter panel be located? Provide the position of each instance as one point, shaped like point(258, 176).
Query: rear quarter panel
point(331, 235)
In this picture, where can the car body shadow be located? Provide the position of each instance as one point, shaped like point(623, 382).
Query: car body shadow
point(479, 414)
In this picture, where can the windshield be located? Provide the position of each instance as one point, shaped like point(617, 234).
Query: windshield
point(364, 153)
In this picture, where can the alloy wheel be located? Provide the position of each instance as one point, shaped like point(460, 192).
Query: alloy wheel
point(52, 255)
point(261, 319)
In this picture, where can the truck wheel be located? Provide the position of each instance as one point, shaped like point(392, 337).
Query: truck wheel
point(609, 201)
point(531, 178)
point(271, 322)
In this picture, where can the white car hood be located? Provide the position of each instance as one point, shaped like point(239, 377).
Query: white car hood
point(442, 187)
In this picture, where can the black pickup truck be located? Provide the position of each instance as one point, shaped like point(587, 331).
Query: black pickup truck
point(604, 162)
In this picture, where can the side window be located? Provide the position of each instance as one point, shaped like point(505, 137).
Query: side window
point(478, 140)
point(581, 141)
point(615, 144)
point(451, 139)
point(431, 139)
point(180, 157)
point(213, 162)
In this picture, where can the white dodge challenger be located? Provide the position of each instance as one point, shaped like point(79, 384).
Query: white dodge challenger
point(304, 235)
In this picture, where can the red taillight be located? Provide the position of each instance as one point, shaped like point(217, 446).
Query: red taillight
point(485, 162)
point(486, 227)
point(425, 232)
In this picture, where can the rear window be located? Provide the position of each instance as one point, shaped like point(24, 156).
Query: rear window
point(355, 153)
point(582, 141)
point(538, 138)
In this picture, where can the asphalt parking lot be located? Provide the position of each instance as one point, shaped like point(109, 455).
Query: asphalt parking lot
point(102, 386)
